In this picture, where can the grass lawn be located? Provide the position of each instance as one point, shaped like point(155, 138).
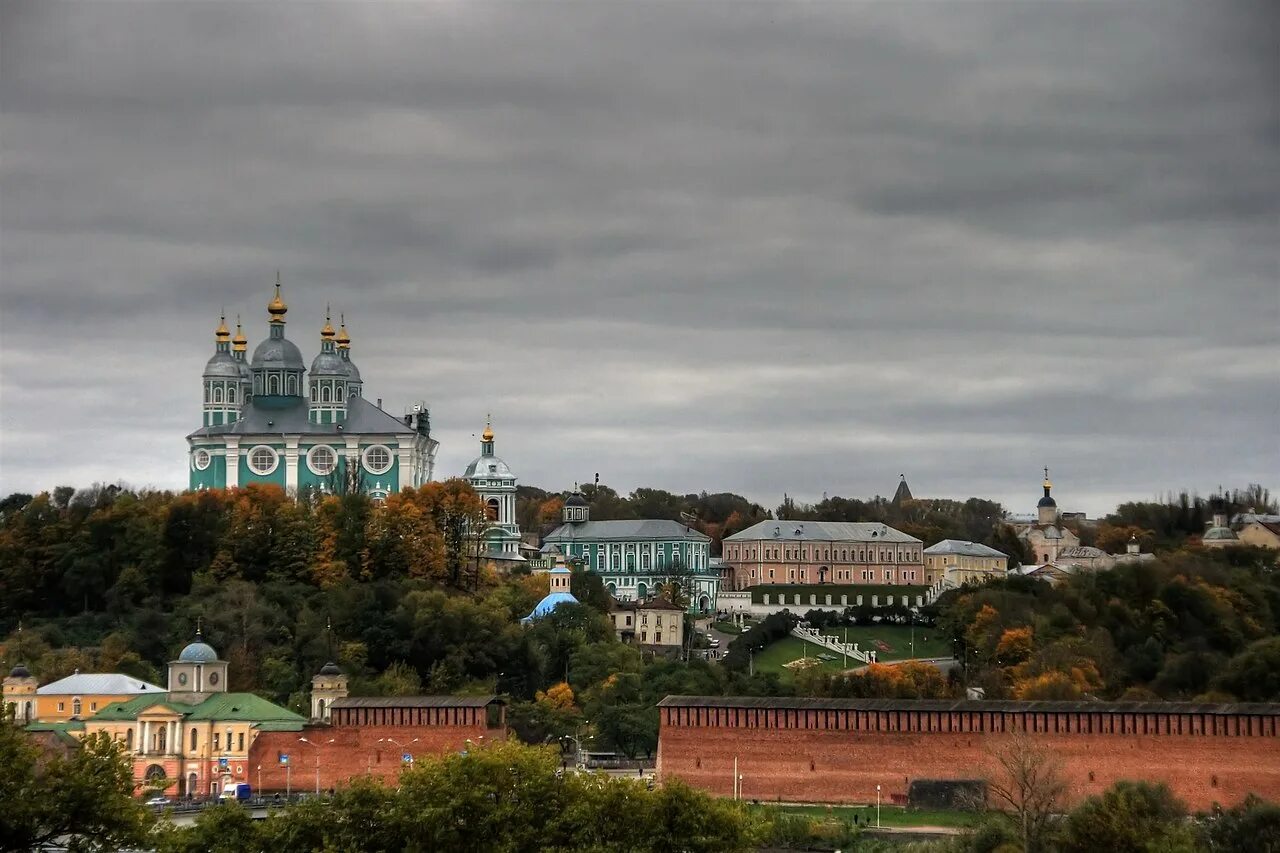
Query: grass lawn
point(889, 815)
point(726, 627)
point(929, 642)
point(793, 648)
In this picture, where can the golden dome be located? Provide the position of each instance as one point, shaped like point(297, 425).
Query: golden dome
point(239, 343)
point(222, 333)
point(344, 340)
point(487, 435)
point(327, 332)
point(276, 307)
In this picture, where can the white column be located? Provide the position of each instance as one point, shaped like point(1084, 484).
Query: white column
point(233, 462)
point(291, 462)
point(405, 466)
point(146, 737)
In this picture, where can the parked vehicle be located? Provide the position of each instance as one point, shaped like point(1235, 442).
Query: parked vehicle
point(238, 791)
point(160, 800)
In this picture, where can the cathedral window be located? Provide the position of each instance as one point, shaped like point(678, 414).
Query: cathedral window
point(322, 460)
point(273, 384)
point(293, 385)
point(263, 460)
point(217, 395)
point(202, 459)
point(324, 394)
point(377, 459)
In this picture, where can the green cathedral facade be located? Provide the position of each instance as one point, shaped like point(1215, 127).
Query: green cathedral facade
point(271, 420)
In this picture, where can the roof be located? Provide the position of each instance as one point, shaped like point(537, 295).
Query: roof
point(903, 492)
point(1272, 526)
point(488, 466)
point(963, 549)
point(550, 603)
point(101, 683)
point(415, 701)
point(822, 531)
point(1220, 533)
point(219, 706)
point(68, 726)
point(647, 604)
point(987, 705)
point(290, 415)
point(626, 529)
point(198, 652)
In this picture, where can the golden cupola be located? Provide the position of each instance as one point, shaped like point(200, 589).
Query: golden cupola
point(327, 332)
point(222, 332)
point(344, 339)
point(487, 435)
point(239, 343)
point(276, 307)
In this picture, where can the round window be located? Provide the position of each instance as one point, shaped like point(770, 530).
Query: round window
point(377, 459)
point(213, 678)
point(263, 460)
point(182, 678)
point(202, 459)
point(322, 460)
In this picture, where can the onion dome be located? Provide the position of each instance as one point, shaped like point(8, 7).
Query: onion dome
point(575, 499)
point(276, 307)
point(327, 332)
point(487, 435)
point(239, 343)
point(1047, 500)
point(20, 671)
point(344, 340)
point(277, 353)
point(198, 652)
point(329, 668)
point(222, 332)
point(222, 365)
point(328, 364)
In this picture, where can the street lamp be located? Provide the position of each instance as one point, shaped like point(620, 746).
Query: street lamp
point(877, 806)
point(317, 746)
point(399, 744)
point(259, 780)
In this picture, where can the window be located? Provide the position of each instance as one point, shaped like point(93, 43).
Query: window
point(263, 460)
point(62, 706)
point(231, 394)
point(202, 459)
point(217, 741)
point(217, 395)
point(377, 459)
point(273, 384)
point(322, 459)
point(657, 637)
point(240, 742)
point(195, 739)
point(324, 394)
point(75, 707)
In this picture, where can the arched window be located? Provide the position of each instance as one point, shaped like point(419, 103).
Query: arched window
point(320, 708)
point(231, 394)
point(324, 394)
point(273, 384)
point(491, 509)
point(75, 707)
point(257, 384)
point(195, 739)
point(293, 384)
point(217, 395)
point(128, 740)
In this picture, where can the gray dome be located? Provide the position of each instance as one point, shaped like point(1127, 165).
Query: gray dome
point(276, 354)
point(222, 366)
point(198, 652)
point(576, 499)
point(245, 372)
point(488, 466)
point(330, 668)
point(1047, 501)
point(353, 372)
point(20, 671)
point(328, 364)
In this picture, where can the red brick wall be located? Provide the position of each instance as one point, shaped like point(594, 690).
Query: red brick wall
point(355, 751)
point(821, 764)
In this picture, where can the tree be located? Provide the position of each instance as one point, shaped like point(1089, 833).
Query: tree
point(1254, 674)
point(1028, 783)
point(84, 800)
point(1129, 817)
point(1253, 826)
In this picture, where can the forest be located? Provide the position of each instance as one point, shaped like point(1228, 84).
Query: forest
point(108, 579)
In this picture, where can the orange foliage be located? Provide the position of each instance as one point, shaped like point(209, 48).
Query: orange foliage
point(1014, 646)
point(557, 696)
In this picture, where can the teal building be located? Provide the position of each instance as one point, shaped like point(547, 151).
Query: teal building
point(270, 420)
point(495, 484)
point(633, 557)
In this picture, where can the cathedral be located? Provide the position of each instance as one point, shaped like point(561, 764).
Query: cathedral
point(270, 420)
point(496, 486)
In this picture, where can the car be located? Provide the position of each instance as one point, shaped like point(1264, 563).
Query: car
point(159, 801)
point(715, 644)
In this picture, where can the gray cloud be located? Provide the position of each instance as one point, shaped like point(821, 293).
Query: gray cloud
point(757, 247)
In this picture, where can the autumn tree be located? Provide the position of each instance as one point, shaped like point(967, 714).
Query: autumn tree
point(1027, 782)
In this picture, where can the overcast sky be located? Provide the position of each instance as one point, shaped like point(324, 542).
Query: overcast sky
point(738, 246)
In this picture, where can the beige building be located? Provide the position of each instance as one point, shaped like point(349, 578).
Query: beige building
point(958, 562)
point(823, 552)
point(76, 697)
point(1263, 534)
point(1047, 536)
point(654, 622)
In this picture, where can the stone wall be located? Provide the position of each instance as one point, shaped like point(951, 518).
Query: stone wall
point(823, 753)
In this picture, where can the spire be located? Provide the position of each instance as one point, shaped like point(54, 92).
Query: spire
point(327, 332)
point(344, 340)
point(1047, 484)
point(487, 435)
point(239, 343)
point(903, 492)
point(276, 307)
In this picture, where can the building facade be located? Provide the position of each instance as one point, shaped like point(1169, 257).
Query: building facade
point(272, 421)
point(653, 622)
point(635, 557)
point(958, 562)
point(1047, 535)
point(823, 552)
point(195, 736)
point(80, 695)
point(496, 485)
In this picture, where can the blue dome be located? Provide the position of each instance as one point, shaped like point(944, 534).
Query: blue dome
point(198, 652)
point(550, 603)
point(1047, 501)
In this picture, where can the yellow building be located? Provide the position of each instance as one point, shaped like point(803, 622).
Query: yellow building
point(958, 562)
point(654, 622)
point(76, 697)
point(1264, 534)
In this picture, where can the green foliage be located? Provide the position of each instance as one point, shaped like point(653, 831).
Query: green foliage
point(1254, 674)
point(84, 799)
point(502, 797)
point(1129, 817)
point(1251, 827)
